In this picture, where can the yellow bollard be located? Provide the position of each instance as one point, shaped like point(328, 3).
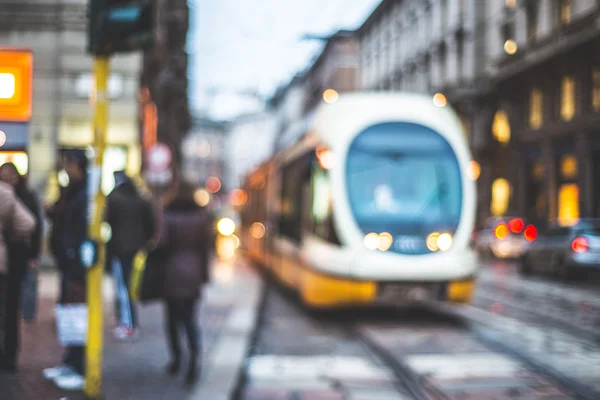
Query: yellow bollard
point(93, 378)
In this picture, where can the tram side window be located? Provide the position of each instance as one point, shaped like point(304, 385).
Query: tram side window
point(322, 204)
point(290, 218)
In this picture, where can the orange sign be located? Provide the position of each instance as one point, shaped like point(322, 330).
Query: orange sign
point(16, 70)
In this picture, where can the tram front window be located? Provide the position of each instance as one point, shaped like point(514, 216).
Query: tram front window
point(404, 179)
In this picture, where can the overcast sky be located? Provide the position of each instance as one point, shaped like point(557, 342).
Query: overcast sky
point(255, 45)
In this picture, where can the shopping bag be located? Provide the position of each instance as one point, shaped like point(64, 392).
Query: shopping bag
point(139, 263)
point(146, 282)
point(29, 295)
point(72, 324)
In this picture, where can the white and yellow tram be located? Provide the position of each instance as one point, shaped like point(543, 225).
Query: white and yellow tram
point(373, 203)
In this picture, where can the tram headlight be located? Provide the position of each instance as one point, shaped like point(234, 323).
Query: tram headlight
point(444, 241)
point(432, 241)
point(385, 241)
point(371, 241)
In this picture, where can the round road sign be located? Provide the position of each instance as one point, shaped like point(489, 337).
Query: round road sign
point(159, 158)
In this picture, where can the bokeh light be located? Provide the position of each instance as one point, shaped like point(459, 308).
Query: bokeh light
point(257, 230)
point(226, 226)
point(510, 47)
point(213, 184)
point(439, 100)
point(238, 197)
point(330, 96)
point(202, 197)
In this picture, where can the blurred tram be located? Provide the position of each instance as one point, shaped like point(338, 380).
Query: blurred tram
point(372, 204)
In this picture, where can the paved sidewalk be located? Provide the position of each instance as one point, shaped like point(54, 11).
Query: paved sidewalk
point(136, 370)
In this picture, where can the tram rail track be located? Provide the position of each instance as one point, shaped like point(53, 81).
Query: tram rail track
point(532, 376)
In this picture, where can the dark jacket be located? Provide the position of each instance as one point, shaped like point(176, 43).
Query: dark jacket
point(56, 214)
point(74, 230)
point(186, 242)
point(131, 218)
point(21, 251)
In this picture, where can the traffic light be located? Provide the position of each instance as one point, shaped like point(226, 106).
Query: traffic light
point(120, 26)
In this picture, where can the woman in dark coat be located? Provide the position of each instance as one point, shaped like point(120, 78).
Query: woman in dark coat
point(23, 256)
point(185, 244)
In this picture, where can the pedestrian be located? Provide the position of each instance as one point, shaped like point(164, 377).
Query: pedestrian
point(23, 255)
point(55, 214)
point(16, 222)
point(185, 237)
point(74, 225)
point(131, 218)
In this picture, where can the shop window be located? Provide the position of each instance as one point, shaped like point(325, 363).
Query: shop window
point(596, 88)
point(19, 158)
point(501, 127)
point(536, 117)
point(567, 104)
point(568, 204)
point(565, 12)
point(500, 197)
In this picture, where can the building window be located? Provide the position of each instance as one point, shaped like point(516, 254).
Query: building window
point(568, 204)
point(567, 102)
point(501, 127)
point(500, 197)
point(536, 117)
point(532, 22)
point(596, 88)
point(565, 12)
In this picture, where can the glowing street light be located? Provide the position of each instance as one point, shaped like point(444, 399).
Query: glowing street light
point(330, 96)
point(439, 100)
point(510, 47)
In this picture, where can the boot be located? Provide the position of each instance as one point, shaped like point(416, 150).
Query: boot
point(173, 367)
point(193, 374)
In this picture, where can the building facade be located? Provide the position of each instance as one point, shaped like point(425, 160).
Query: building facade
point(523, 77)
point(55, 31)
point(544, 111)
point(204, 152)
point(250, 141)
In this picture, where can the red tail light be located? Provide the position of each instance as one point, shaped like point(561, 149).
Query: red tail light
point(516, 225)
point(501, 231)
point(530, 233)
point(579, 245)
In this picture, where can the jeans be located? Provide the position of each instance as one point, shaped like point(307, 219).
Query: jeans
point(125, 310)
point(182, 313)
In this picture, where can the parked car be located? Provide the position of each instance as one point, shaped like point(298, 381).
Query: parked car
point(564, 251)
point(506, 237)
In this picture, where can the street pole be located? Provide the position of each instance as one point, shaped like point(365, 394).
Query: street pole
point(93, 379)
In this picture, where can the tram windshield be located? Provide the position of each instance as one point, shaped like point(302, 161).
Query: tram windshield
point(404, 179)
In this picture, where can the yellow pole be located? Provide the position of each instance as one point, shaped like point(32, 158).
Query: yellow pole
point(93, 379)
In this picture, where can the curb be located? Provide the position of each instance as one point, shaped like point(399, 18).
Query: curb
point(224, 370)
